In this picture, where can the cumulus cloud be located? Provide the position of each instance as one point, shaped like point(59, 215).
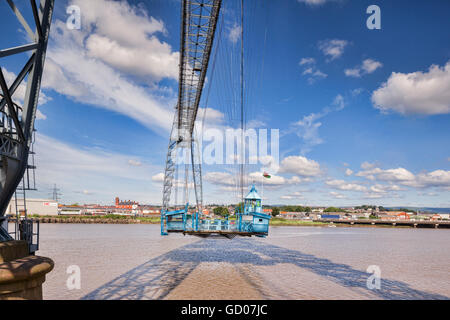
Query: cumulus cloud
point(368, 66)
point(152, 59)
point(212, 116)
point(345, 185)
point(158, 177)
point(307, 61)
point(333, 48)
point(402, 176)
point(337, 195)
point(291, 196)
point(94, 64)
point(379, 188)
point(124, 37)
point(230, 181)
point(348, 172)
point(418, 92)
point(310, 70)
point(301, 166)
point(220, 178)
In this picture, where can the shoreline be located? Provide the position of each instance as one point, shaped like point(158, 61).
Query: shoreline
point(276, 222)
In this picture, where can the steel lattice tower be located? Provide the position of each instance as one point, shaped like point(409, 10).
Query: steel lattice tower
point(199, 21)
point(17, 123)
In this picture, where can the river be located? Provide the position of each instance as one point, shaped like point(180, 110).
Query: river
point(135, 262)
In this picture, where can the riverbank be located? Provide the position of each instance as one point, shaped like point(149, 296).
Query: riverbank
point(117, 219)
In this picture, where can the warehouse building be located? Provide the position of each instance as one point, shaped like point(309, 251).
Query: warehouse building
point(42, 207)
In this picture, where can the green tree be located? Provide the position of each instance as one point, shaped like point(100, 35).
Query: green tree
point(275, 211)
point(333, 209)
point(221, 211)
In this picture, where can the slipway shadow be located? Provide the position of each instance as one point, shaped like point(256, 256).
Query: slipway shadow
point(156, 278)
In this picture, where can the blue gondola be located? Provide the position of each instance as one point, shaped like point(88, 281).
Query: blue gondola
point(251, 221)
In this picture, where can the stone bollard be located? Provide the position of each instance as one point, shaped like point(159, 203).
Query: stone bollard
point(21, 274)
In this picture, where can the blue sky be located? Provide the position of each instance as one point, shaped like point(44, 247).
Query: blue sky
point(363, 114)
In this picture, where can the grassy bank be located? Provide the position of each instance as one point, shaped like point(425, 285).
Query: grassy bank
point(284, 222)
point(107, 219)
point(114, 219)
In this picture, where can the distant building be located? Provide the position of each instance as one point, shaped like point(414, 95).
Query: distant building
point(149, 211)
point(330, 216)
point(394, 215)
point(292, 215)
point(70, 210)
point(126, 204)
point(42, 207)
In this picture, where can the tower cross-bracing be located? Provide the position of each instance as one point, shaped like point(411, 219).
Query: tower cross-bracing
point(198, 25)
point(17, 122)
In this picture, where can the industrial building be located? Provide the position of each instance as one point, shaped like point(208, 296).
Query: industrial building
point(43, 207)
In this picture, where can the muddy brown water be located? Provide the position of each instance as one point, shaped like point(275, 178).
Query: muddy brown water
point(135, 262)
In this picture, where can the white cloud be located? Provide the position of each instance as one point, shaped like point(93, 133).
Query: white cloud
point(402, 176)
point(348, 172)
point(123, 36)
point(104, 173)
point(301, 166)
point(373, 196)
point(337, 195)
point(158, 177)
point(356, 73)
point(368, 66)
point(344, 185)
point(308, 71)
point(367, 165)
point(93, 65)
point(220, 178)
point(212, 116)
point(311, 70)
point(396, 175)
point(19, 95)
point(135, 163)
point(308, 128)
point(333, 48)
point(274, 180)
point(437, 178)
point(40, 115)
point(307, 61)
point(379, 188)
point(234, 33)
point(152, 59)
point(357, 92)
point(292, 196)
point(418, 92)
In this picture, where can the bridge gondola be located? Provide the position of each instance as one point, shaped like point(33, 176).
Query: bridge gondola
point(251, 221)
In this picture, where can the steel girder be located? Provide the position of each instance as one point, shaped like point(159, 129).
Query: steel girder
point(17, 123)
point(198, 26)
point(197, 36)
